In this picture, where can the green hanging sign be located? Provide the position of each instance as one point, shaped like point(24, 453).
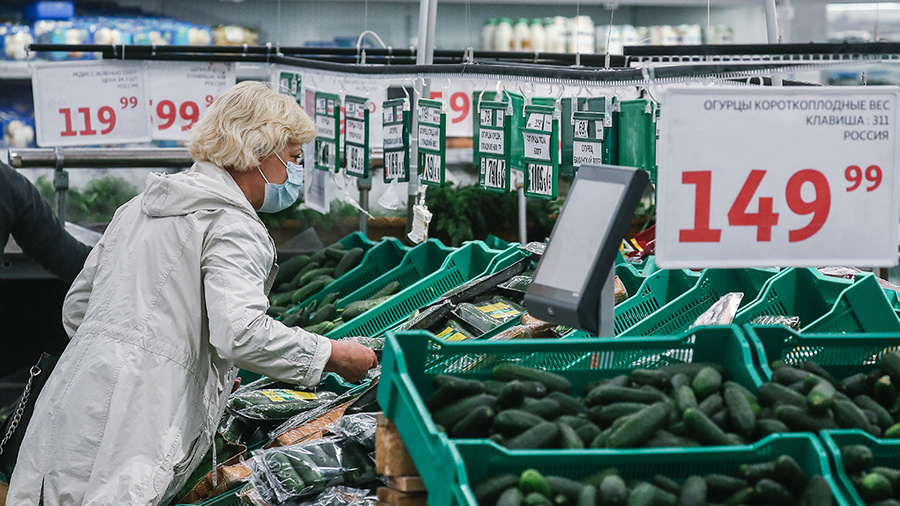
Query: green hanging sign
point(492, 146)
point(289, 82)
point(514, 149)
point(541, 151)
point(589, 109)
point(356, 136)
point(432, 141)
point(328, 120)
point(395, 133)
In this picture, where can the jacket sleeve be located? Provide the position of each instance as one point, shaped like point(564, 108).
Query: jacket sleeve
point(25, 215)
point(76, 301)
point(235, 264)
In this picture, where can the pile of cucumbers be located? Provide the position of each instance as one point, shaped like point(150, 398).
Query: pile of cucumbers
point(877, 485)
point(305, 275)
point(684, 404)
point(779, 482)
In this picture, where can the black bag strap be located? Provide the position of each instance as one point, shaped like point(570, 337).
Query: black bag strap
point(20, 409)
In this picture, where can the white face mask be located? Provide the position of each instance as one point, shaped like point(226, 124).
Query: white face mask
point(281, 196)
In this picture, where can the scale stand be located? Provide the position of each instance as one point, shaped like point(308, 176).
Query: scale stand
point(607, 313)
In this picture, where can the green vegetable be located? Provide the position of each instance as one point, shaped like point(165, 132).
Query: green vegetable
point(706, 382)
point(489, 490)
point(531, 480)
point(348, 261)
point(882, 416)
point(821, 396)
point(789, 473)
point(568, 404)
point(511, 395)
point(588, 496)
point(449, 415)
point(703, 429)
point(546, 408)
point(451, 388)
point(359, 307)
point(560, 485)
point(321, 328)
point(773, 394)
point(515, 421)
point(537, 499)
point(605, 394)
point(474, 424)
point(799, 420)
point(389, 289)
point(693, 492)
point(875, 487)
point(304, 292)
point(469, 313)
point(639, 426)
point(290, 268)
point(856, 458)
point(324, 313)
point(770, 492)
point(554, 382)
point(541, 435)
point(568, 438)
point(818, 492)
point(510, 497)
point(739, 408)
point(284, 472)
point(613, 491)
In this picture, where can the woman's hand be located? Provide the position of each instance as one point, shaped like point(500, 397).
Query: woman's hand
point(350, 360)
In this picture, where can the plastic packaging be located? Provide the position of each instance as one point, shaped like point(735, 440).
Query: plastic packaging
point(487, 35)
point(503, 35)
point(453, 331)
point(344, 496)
point(792, 322)
point(521, 35)
point(276, 403)
point(722, 312)
point(358, 427)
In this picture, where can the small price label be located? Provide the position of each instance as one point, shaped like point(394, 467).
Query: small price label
point(395, 136)
point(328, 117)
point(432, 141)
point(495, 173)
point(90, 103)
point(541, 153)
point(492, 148)
point(178, 94)
point(356, 136)
point(793, 178)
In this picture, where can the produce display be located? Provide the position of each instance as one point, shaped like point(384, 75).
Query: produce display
point(778, 482)
point(305, 275)
point(875, 484)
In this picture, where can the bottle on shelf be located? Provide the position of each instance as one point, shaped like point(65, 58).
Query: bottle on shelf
point(503, 35)
point(555, 34)
point(580, 35)
point(521, 35)
point(538, 37)
point(487, 35)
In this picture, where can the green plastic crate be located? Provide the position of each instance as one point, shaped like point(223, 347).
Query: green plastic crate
point(802, 292)
point(636, 123)
point(494, 242)
point(356, 240)
point(379, 259)
point(657, 290)
point(681, 312)
point(862, 307)
point(842, 355)
point(478, 461)
point(885, 451)
point(411, 360)
point(467, 262)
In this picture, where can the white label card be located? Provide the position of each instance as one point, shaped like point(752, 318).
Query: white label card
point(537, 146)
point(393, 164)
point(490, 141)
point(431, 171)
point(179, 93)
point(494, 170)
point(793, 177)
point(540, 179)
point(587, 152)
point(429, 137)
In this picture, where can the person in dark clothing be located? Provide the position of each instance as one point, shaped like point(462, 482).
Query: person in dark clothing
point(25, 215)
point(31, 308)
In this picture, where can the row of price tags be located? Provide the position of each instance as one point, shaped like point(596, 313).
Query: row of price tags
point(118, 102)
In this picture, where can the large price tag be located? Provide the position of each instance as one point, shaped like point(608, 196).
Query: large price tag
point(432, 141)
point(89, 103)
point(328, 118)
point(395, 126)
point(778, 176)
point(180, 92)
point(541, 151)
point(492, 146)
point(356, 136)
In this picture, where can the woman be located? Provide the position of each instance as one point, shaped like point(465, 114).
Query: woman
point(171, 299)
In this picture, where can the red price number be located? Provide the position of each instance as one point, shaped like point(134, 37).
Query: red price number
point(85, 118)
point(765, 218)
point(459, 103)
point(189, 111)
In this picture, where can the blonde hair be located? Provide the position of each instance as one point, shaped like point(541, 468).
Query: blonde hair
point(248, 122)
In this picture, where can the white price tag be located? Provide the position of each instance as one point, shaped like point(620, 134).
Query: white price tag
point(393, 136)
point(540, 179)
point(458, 96)
point(314, 189)
point(490, 141)
point(87, 103)
point(356, 131)
point(587, 152)
point(494, 170)
point(537, 146)
point(393, 164)
point(325, 125)
point(431, 171)
point(778, 177)
point(355, 159)
point(325, 154)
point(178, 94)
point(429, 114)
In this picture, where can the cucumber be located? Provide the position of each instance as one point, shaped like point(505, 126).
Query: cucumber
point(774, 394)
point(325, 312)
point(703, 429)
point(348, 261)
point(740, 497)
point(560, 485)
point(541, 435)
point(882, 416)
point(712, 404)
point(284, 473)
point(891, 473)
point(568, 438)
point(515, 421)
point(740, 412)
point(537, 499)
point(321, 328)
point(766, 426)
point(820, 397)
point(449, 415)
point(596, 479)
point(647, 494)
point(665, 483)
point(817, 493)
point(755, 472)
point(308, 471)
point(789, 473)
point(875, 487)
point(330, 298)
point(890, 363)
point(511, 395)
point(280, 299)
point(275, 311)
point(534, 389)
point(666, 439)
point(290, 268)
point(856, 458)
point(693, 492)
point(721, 486)
point(315, 273)
point(772, 493)
point(707, 381)
point(568, 404)
point(475, 424)
point(857, 384)
point(587, 433)
point(604, 415)
point(892, 432)
point(884, 391)
point(850, 416)
point(310, 266)
point(685, 398)
point(575, 422)
point(489, 490)
point(545, 408)
point(493, 387)
point(788, 374)
point(511, 497)
point(388, 289)
point(613, 491)
point(356, 308)
point(450, 389)
point(531, 480)
point(691, 368)
point(605, 394)
point(639, 426)
point(554, 382)
point(304, 292)
point(294, 319)
point(469, 313)
point(679, 380)
point(810, 366)
point(588, 496)
point(658, 378)
point(799, 420)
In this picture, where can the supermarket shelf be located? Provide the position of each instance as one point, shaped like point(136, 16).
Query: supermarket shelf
point(14, 70)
